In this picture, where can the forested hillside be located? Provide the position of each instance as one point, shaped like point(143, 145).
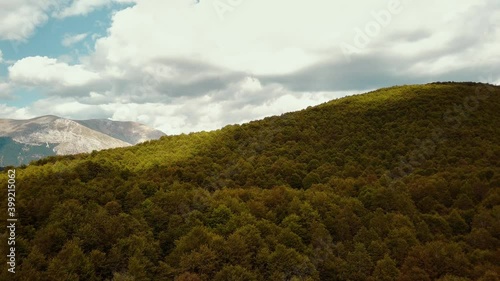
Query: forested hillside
point(402, 183)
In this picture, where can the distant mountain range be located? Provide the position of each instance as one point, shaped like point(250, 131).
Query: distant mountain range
point(22, 141)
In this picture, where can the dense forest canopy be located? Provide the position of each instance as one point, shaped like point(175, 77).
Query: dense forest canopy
point(402, 183)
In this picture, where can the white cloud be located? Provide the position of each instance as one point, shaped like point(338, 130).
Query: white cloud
point(83, 7)
point(1, 56)
point(66, 107)
point(275, 43)
point(79, 7)
point(9, 112)
point(18, 19)
point(69, 40)
point(260, 37)
point(60, 106)
point(48, 72)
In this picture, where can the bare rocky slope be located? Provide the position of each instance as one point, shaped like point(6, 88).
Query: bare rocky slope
point(22, 141)
point(130, 132)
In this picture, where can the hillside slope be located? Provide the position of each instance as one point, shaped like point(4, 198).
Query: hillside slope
point(397, 184)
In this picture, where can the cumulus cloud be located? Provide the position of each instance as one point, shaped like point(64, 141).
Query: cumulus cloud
point(67, 107)
point(19, 19)
point(10, 112)
point(297, 42)
point(267, 46)
point(51, 74)
point(181, 29)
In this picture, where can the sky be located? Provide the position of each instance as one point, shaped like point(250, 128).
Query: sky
point(191, 65)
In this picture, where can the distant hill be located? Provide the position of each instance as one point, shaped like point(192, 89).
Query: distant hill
point(402, 183)
point(129, 132)
point(22, 141)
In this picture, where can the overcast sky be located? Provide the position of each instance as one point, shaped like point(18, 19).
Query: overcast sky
point(187, 65)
